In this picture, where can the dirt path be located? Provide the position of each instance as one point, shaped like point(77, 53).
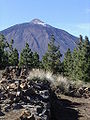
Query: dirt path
point(81, 105)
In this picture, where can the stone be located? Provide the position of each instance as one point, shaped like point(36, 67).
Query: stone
point(7, 108)
point(33, 97)
point(17, 106)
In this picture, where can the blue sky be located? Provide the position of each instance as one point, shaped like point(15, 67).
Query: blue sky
point(70, 15)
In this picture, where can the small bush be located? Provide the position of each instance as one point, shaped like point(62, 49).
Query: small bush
point(59, 83)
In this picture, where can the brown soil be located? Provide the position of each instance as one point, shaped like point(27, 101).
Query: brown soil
point(12, 115)
point(77, 108)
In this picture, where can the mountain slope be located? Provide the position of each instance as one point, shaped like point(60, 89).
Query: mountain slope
point(37, 34)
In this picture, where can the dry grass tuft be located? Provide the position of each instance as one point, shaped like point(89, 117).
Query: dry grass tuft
point(65, 85)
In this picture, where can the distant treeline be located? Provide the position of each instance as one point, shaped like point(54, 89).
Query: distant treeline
point(76, 64)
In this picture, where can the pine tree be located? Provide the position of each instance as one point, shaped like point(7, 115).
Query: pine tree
point(36, 60)
point(86, 60)
point(26, 57)
point(13, 55)
point(51, 59)
point(75, 63)
point(68, 63)
point(81, 61)
point(14, 58)
point(3, 53)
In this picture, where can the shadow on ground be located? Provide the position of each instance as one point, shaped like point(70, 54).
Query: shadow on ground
point(62, 109)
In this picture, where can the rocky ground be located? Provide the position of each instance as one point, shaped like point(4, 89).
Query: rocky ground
point(25, 99)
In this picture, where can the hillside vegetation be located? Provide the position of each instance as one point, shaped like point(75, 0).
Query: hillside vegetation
point(75, 66)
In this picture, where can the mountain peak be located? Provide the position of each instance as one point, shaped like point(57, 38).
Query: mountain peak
point(37, 21)
point(37, 34)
